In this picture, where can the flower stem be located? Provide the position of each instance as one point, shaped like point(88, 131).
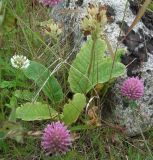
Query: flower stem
point(94, 38)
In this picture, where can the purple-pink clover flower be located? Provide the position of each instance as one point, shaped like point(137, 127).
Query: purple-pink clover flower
point(132, 88)
point(50, 3)
point(56, 138)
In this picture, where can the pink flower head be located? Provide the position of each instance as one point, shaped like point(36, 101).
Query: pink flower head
point(132, 88)
point(50, 3)
point(56, 138)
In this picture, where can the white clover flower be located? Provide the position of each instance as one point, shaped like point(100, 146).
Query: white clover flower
point(20, 62)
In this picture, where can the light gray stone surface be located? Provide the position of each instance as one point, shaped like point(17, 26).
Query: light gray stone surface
point(142, 120)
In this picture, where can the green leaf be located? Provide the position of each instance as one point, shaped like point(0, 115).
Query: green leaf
point(120, 52)
point(4, 147)
point(7, 84)
point(24, 95)
point(12, 105)
point(79, 78)
point(41, 75)
point(11, 84)
point(35, 111)
point(73, 109)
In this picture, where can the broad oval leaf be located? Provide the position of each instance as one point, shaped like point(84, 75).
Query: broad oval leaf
point(101, 71)
point(73, 109)
point(41, 75)
point(35, 111)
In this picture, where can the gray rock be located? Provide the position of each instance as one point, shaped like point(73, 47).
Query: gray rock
point(140, 119)
point(136, 121)
point(68, 15)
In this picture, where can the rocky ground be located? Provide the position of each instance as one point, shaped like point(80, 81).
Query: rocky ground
point(138, 57)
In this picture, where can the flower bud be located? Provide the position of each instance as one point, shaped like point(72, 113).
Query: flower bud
point(95, 19)
point(50, 28)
